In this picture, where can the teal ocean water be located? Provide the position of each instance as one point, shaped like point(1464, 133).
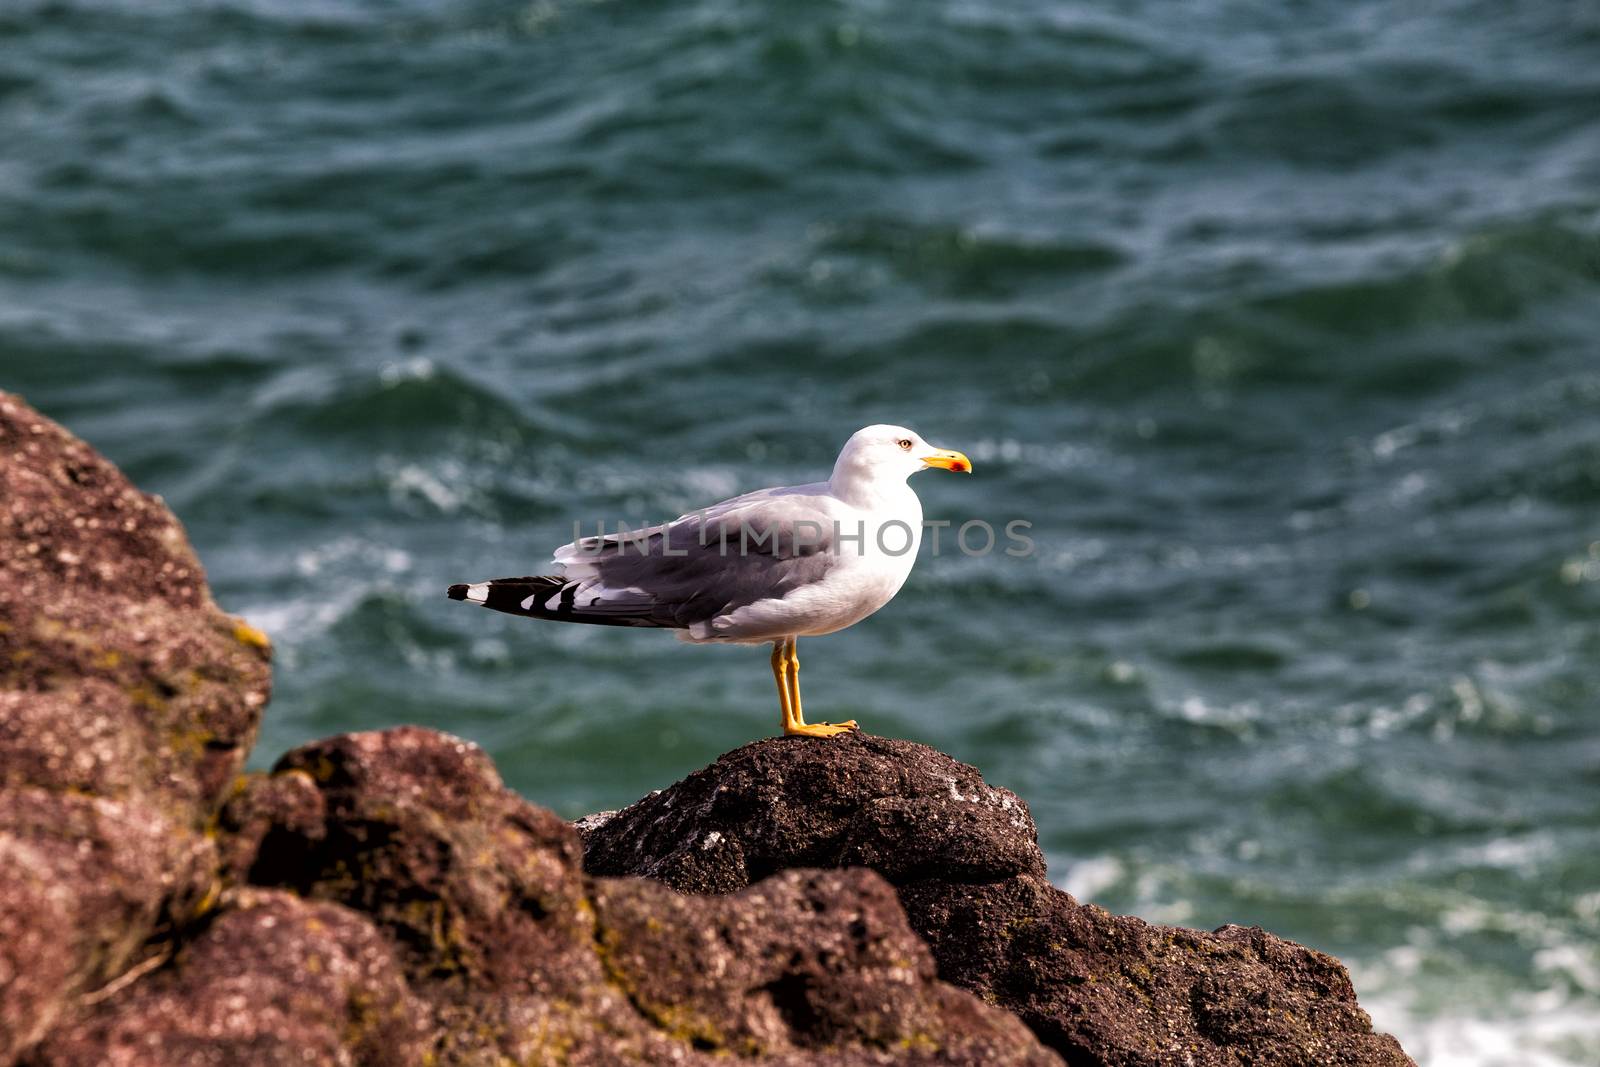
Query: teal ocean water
point(1278, 322)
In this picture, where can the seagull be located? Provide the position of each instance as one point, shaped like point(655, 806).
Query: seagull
point(773, 566)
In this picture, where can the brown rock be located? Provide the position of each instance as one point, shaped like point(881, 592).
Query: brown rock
point(470, 881)
point(36, 965)
point(127, 703)
point(806, 961)
point(99, 588)
point(1116, 990)
point(273, 981)
point(1100, 989)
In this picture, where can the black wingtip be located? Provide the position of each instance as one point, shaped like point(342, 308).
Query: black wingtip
point(457, 592)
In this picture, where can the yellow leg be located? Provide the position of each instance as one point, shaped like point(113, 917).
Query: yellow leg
point(794, 718)
point(779, 666)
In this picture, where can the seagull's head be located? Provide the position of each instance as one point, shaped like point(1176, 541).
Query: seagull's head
point(885, 452)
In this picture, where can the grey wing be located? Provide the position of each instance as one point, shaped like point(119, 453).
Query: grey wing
point(685, 572)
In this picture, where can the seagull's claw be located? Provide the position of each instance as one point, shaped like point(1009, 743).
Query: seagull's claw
point(819, 729)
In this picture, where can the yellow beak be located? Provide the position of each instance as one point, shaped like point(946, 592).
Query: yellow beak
point(950, 460)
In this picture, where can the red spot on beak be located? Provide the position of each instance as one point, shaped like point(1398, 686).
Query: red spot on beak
point(959, 467)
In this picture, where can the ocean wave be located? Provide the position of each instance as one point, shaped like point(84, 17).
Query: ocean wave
point(404, 401)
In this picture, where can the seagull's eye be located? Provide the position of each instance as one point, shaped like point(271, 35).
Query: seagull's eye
point(904, 443)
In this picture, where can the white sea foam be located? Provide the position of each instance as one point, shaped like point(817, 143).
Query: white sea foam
point(1555, 1023)
point(1534, 1032)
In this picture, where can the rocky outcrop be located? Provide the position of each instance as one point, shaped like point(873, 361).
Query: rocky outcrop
point(382, 899)
point(273, 981)
point(127, 705)
point(1099, 989)
point(421, 913)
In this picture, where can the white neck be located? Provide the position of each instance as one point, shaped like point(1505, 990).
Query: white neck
point(864, 486)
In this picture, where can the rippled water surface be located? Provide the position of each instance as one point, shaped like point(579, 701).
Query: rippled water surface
point(1278, 322)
